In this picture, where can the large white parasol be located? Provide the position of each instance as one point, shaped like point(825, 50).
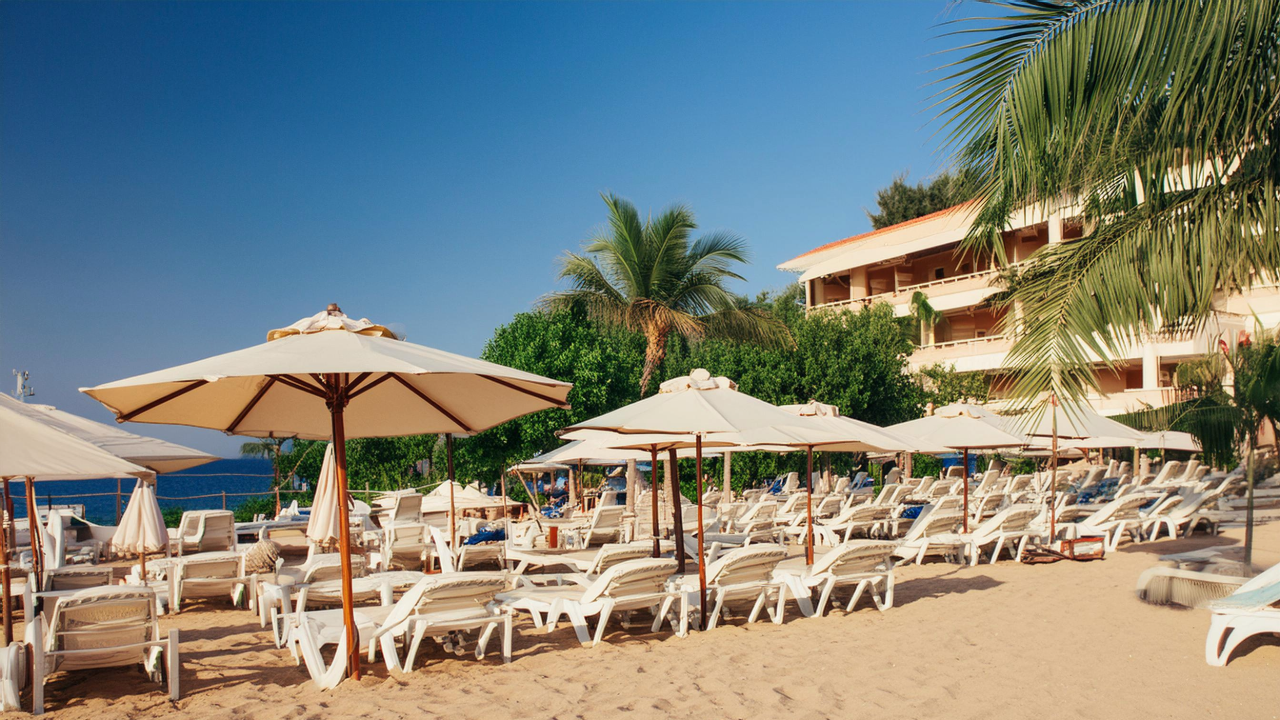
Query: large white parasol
point(331, 377)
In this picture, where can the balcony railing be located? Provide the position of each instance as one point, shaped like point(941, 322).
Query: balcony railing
point(907, 290)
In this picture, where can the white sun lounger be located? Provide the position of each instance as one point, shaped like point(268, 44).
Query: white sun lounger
point(628, 586)
point(102, 627)
point(865, 564)
point(1247, 612)
point(440, 605)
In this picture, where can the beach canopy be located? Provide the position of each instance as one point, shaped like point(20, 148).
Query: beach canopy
point(1170, 440)
point(36, 450)
point(593, 448)
point(331, 377)
point(1076, 422)
point(465, 497)
point(864, 436)
point(282, 388)
point(959, 431)
point(141, 529)
point(156, 455)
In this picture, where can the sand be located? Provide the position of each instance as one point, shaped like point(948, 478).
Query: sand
point(1067, 640)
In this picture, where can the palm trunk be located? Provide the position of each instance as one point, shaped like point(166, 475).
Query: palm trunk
point(655, 353)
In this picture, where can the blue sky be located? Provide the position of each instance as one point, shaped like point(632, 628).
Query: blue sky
point(177, 179)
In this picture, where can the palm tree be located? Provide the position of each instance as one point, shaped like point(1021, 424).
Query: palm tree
point(269, 448)
point(651, 277)
point(1255, 367)
point(1159, 121)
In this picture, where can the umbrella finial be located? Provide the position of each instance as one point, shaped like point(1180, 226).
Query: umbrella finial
point(333, 309)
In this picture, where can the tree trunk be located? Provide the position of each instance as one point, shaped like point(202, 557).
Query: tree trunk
point(1248, 521)
point(655, 352)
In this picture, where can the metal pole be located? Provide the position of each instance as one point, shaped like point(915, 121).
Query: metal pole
point(808, 501)
point(676, 512)
point(337, 402)
point(702, 565)
point(224, 499)
point(1053, 469)
point(964, 479)
point(453, 521)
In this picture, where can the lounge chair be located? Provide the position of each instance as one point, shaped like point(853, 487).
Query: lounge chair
point(440, 605)
point(1013, 525)
point(101, 627)
point(206, 531)
point(604, 525)
point(273, 597)
point(861, 520)
point(1247, 612)
point(206, 578)
point(405, 545)
point(76, 577)
point(745, 573)
point(398, 508)
point(1192, 579)
point(1111, 521)
point(628, 586)
point(866, 564)
point(934, 529)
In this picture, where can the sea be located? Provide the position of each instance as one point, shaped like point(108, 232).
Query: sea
point(198, 488)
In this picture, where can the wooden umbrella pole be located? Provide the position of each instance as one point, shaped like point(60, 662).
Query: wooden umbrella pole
point(726, 487)
point(676, 511)
point(4, 572)
point(453, 519)
point(8, 507)
point(653, 493)
point(808, 501)
point(702, 565)
point(37, 542)
point(337, 403)
point(964, 479)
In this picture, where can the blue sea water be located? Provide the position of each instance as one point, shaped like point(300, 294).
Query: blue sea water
point(234, 476)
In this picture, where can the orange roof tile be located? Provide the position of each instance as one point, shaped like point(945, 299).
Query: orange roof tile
point(873, 233)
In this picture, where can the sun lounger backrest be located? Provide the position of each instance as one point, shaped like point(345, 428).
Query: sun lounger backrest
point(217, 568)
point(1124, 508)
point(459, 594)
point(746, 565)
point(889, 494)
point(77, 578)
point(613, 553)
point(855, 556)
point(892, 476)
point(830, 505)
point(842, 486)
point(99, 619)
point(632, 577)
point(329, 567)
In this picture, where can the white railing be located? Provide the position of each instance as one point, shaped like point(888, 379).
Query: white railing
point(908, 289)
point(966, 341)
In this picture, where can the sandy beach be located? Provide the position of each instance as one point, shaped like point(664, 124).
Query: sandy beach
point(1067, 640)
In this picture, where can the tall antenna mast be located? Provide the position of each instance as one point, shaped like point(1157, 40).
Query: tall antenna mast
point(22, 390)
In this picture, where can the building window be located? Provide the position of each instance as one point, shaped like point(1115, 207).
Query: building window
point(939, 273)
point(966, 269)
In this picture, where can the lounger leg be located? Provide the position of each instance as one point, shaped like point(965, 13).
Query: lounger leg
point(1219, 626)
point(37, 670)
point(1022, 545)
point(553, 614)
point(506, 636)
point(661, 614)
point(996, 552)
point(715, 612)
point(482, 642)
point(888, 593)
point(579, 623)
point(761, 599)
point(827, 588)
point(857, 593)
point(924, 548)
point(174, 663)
point(605, 612)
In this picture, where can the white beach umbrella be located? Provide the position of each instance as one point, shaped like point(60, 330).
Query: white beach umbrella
point(1170, 440)
point(159, 456)
point(35, 451)
point(1076, 423)
point(707, 408)
point(963, 428)
point(141, 529)
point(330, 377)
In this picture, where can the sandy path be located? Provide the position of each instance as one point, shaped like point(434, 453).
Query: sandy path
point(1067, 640)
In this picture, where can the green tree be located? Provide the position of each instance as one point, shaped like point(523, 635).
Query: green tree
point(943, 385)
point(902, 201)
point(269, 448)
point(603, 363)
point(650, 277)
point(381, 463)
point(1160, 120)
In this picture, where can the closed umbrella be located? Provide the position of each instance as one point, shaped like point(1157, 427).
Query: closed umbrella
point(35, 451)
point(141, 529)
point(329, 377)
point(1170, 440)
point(324, 526)
point(963, 428)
